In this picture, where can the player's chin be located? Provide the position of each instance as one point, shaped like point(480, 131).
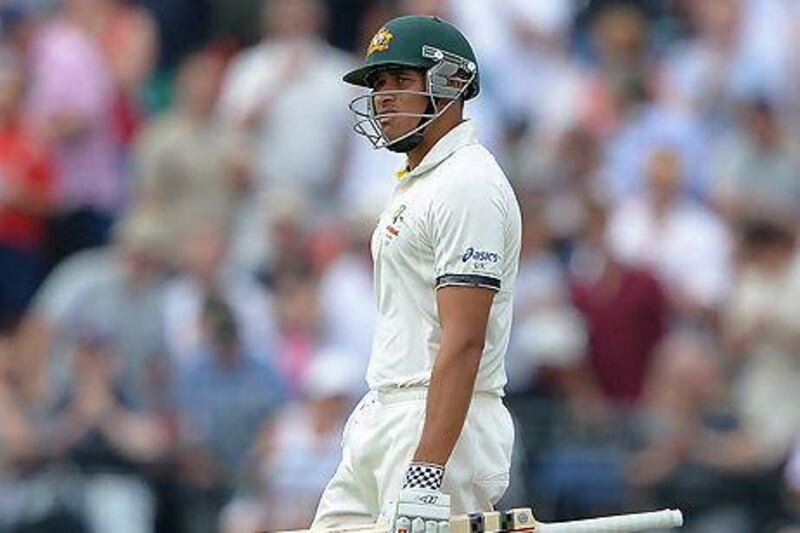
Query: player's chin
point(392, 131)
point(388, 127)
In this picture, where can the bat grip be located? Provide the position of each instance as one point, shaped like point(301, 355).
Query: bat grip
point(617, 524)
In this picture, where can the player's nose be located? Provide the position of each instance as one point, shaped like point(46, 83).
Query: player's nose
point(385, 101)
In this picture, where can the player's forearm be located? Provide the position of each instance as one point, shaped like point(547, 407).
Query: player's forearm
point(449, 396)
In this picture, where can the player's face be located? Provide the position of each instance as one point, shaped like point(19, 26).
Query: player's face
point(402, 111)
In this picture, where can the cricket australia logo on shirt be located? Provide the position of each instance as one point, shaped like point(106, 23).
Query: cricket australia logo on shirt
point(393, 229)
point(479, 259)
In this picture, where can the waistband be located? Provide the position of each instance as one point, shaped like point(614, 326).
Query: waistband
point(406, 394)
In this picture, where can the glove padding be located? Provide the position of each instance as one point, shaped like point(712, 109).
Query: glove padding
point(422, 511)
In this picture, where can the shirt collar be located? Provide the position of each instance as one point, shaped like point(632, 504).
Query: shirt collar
point(462, 135)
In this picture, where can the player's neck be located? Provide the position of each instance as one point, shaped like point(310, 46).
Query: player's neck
point(437, 129)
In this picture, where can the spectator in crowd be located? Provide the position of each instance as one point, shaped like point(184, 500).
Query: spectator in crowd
point(755, 165)
point(96, 428)
point(685, 244)
point(203, 268)
point(738, 48)
point(762, 331)
point(42, 325)
point(703, 74)
point(127, 35)
point(683, 395)
point(43, 329)
point(626, 311)
point(187, 165)
point(223, 397)
point(623, 65)
point(119, 290)
point(32, 498)
point(298, 450)
point(286, 94)
point(71, 103)
point(26, 179)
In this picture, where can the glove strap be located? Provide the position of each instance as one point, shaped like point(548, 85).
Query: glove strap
point(424, 476)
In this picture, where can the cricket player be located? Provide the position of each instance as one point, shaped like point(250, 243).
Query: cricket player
point(432, 437)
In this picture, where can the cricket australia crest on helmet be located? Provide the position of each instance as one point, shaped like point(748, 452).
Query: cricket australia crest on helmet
point(380, 42)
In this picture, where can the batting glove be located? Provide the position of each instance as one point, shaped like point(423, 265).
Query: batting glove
point(421, 506)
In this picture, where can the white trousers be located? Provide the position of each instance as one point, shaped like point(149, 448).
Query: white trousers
point(380, 439)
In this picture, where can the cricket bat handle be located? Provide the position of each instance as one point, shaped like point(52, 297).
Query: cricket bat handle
point(665, 519)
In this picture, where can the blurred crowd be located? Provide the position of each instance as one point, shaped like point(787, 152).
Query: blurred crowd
point(186, 304)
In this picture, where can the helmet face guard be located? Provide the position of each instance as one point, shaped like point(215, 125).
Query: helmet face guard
point(450, 78)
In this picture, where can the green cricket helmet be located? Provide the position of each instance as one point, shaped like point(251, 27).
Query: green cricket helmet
point(429, 44)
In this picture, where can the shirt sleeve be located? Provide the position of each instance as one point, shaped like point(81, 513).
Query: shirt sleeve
point(468, 220)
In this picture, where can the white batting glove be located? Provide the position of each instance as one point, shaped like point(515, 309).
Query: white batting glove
point(421, 506)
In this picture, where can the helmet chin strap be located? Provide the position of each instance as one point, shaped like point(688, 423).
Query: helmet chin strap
point(406, 144)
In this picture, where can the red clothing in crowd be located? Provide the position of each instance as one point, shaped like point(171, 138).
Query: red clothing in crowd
point(626, 312)
point(25, 170)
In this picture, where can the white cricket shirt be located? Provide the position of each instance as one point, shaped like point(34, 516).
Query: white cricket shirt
point(453, 220)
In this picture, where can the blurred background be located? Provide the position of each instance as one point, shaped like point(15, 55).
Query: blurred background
point(186, 307)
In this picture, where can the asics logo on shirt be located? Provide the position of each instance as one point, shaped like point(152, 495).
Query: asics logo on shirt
point(478, 255)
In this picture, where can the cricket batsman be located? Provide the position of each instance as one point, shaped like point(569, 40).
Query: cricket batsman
point(432, 437)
